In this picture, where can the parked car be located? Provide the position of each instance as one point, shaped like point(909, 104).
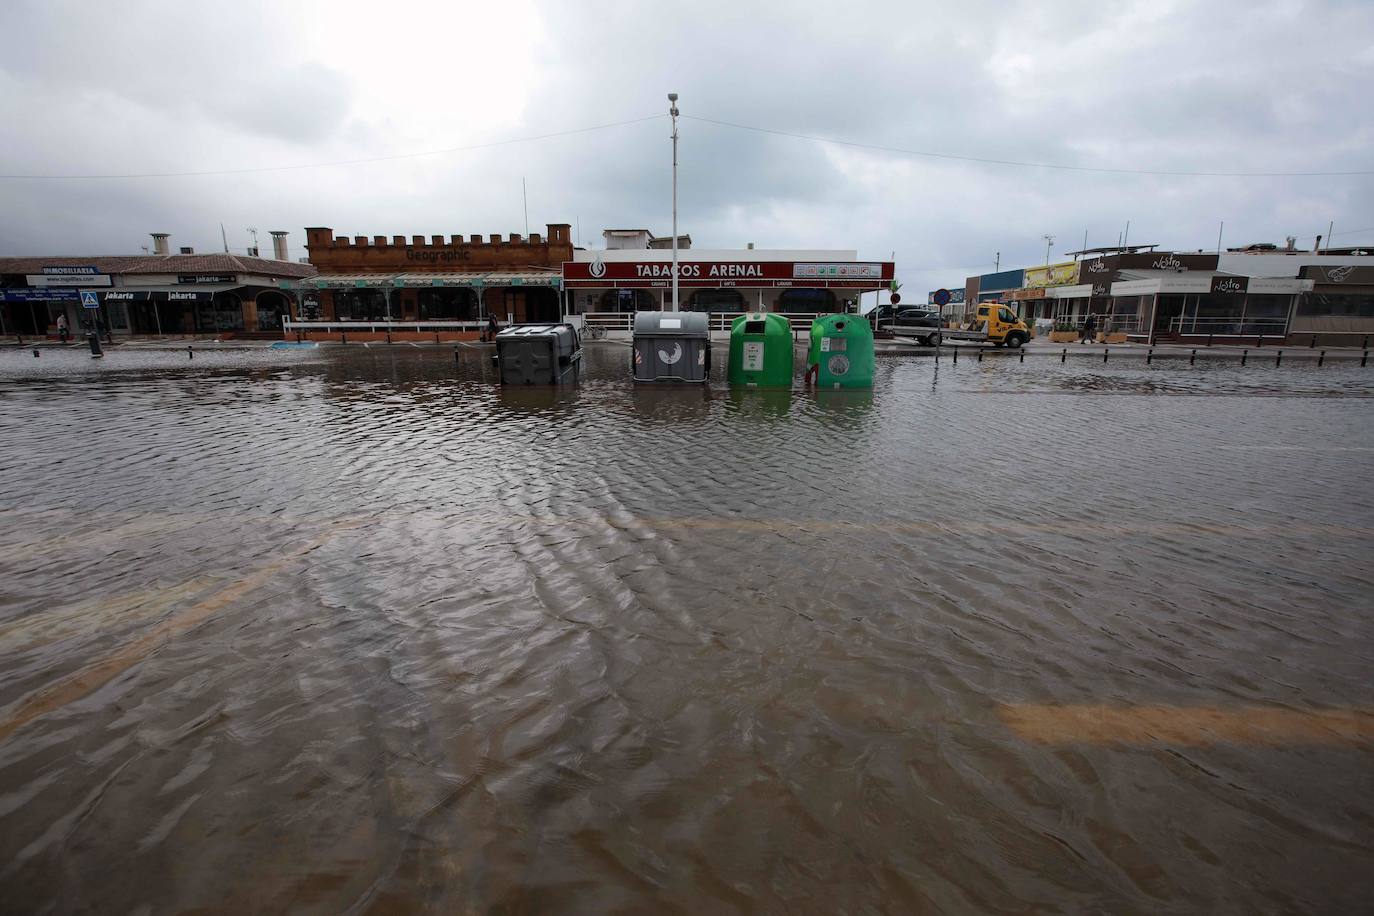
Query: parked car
point(909, 321)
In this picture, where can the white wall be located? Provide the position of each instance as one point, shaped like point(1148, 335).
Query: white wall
point(1284, 265)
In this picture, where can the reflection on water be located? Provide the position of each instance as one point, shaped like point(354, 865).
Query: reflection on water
point(359, 629)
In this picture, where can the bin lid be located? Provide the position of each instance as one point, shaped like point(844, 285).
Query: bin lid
point(766, 323)
point(841, 325)
point(672, 324)
point(534, 330)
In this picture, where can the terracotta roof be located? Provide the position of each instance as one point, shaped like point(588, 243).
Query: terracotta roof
point(161, 264)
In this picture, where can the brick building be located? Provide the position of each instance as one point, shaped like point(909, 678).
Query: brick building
point(436, 278)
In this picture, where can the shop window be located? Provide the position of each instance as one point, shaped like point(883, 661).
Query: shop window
point(1337, 305)
point(815, 301)
point(438, 304)
point(716, 300)
point(360, 305)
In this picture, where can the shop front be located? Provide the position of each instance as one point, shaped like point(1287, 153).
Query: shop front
point(723, 283)
point(1218, 307)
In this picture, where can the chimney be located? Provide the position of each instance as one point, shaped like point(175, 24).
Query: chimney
point(160, 243)
point(279, 252)
point(1316, 249)
point(751, 246)
point(1290, 243)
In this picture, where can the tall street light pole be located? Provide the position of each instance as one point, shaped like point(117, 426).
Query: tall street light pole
point(672, 110)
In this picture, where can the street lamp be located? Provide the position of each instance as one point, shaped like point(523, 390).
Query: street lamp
point(1049, 240)
point(672, 111)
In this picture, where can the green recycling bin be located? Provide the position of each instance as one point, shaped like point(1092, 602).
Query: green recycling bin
point(841, 352)
point(761, 351)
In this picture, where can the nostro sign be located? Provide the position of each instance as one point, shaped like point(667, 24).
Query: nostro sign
point(857, 275)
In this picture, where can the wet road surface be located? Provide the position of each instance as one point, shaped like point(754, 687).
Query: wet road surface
point(356, 630)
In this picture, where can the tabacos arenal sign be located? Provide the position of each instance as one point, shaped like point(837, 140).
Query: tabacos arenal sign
point(859, 274)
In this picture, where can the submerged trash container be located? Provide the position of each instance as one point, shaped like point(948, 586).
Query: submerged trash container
point(841, 352)
point(671, 347)
point(761, 351)
point(538, 354)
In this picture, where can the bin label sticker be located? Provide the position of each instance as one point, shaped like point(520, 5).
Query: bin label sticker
point(753, 356)
point(825, 344)
point(670, 322)
point(838, 365)
point(669, 359)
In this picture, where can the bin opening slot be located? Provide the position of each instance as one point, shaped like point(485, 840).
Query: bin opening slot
point(754, 327)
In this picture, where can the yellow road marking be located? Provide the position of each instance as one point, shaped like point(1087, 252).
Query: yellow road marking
point(92, 677)
point(1192, 726)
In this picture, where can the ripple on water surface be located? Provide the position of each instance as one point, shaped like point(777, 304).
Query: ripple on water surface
point(357, 628)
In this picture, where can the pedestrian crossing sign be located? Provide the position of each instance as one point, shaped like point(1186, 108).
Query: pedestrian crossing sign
point(90, 300)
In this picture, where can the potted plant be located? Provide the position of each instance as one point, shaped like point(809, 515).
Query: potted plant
point(1064, 332)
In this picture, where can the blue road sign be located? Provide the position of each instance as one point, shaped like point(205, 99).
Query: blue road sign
point(90, 300)
point(941, 297)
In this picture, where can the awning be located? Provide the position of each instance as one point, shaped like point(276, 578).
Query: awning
point(200, 292)
point(472, 280)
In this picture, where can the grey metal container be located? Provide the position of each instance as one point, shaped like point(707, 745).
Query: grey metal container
point(672, 347)
point(538, 354)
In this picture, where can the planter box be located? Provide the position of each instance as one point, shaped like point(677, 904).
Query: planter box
point(1063, 336)
point(1119, 337)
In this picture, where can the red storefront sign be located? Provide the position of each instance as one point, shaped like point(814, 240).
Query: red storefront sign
point(740, 274)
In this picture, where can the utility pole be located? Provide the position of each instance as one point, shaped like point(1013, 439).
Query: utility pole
point(672, 111)
point(1049, 242)
point(526, 197)
point(997, 262)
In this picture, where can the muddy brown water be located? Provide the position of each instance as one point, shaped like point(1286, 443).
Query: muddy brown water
point(356, 630)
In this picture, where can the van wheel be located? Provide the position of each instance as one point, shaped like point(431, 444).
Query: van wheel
point(1014, 341)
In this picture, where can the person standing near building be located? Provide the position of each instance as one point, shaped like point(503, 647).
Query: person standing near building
point(1089, 328)
point(492, 328)
point(62, 327)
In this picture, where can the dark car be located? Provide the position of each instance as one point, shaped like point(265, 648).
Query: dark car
point(909, 321)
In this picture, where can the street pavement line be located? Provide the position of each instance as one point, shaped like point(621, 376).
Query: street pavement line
point(1191, 726)
point(94, 676)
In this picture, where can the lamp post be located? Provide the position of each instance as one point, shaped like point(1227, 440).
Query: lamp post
point(672, 111)
point(1049, 241)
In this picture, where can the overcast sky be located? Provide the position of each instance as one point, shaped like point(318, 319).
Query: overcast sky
point(131, 87)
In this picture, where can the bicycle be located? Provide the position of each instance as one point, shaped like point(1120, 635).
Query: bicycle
point(593, 331)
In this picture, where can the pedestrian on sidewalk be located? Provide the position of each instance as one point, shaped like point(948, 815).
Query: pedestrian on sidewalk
point(492, 328)
point(62, 327)
point(1089, 328)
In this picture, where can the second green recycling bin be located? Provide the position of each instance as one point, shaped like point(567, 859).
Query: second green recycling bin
point(841, 352)
point(761, 351)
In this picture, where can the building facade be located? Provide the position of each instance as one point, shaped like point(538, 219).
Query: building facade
point(733, 280)
point(435, 278)
point(155, 294)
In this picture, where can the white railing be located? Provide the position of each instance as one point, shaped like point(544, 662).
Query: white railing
point(1230, 326)
point(717, 321)
point(346, 325)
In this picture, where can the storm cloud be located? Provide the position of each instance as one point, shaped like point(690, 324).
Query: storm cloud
point(138, 88)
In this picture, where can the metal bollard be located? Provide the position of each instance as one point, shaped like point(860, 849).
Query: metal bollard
point(1364, 359)
point(190, 354)
point(436, 337)
point(1243, 355)
point(956, 355)
point(1278, 360)
point(456, 358)
point(1023, 354)
point(1365, 345)
point(980, 354)
point(1149, 356)
point(1259, 341)
point(1313, 343)
point(35, 353)
point(388, 335)
point(1209, 338)
point(1321, 359)
point(1105, 351)
point(343, 336)
point(1063, 354)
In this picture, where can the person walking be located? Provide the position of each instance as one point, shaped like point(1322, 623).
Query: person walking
point(62, 327)
point(492, 328)
point(1089, 328)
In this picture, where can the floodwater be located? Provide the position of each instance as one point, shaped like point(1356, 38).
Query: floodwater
point(355, 630)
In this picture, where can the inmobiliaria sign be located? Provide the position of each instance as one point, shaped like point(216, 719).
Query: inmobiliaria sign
point(765, 274)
